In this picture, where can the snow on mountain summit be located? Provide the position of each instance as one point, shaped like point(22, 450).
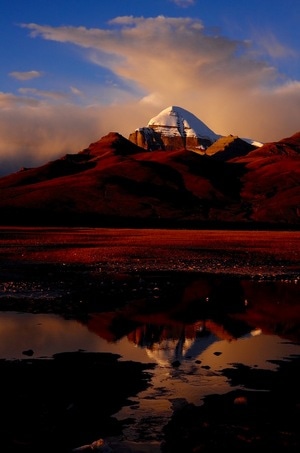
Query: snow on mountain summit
point(177, 128)
point(176, 121)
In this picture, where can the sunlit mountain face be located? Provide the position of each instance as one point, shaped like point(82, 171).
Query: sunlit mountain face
point(174, 127)
point(227, 181)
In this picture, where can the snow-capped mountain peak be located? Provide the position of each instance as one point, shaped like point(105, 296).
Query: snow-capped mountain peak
point(176, 121)
point(177, 128)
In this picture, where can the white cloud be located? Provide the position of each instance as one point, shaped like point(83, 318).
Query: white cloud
point(34, 132)
point(9, 101)
point(269, 44)
point(183, 3)
point(76, 91)
point(54, 95)
point(291, 88)
point(25, 75)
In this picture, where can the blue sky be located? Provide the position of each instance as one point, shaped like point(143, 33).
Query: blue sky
point(74, 70)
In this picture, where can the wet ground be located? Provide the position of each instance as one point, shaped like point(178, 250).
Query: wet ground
point(68, 401)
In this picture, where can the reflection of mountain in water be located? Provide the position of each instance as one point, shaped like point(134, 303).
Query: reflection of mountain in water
point(172, 343)
point(196, 311)
point(174, 351)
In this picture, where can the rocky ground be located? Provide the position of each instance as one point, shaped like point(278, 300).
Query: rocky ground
point(242, 420)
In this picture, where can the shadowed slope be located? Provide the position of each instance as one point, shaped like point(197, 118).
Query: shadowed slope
point(271, 182)
point(116, 182)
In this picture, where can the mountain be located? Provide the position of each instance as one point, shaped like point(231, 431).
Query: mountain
point(174, 128)
point(226, 148)
point(177, 128)
point(270, 185)
point(114, 182)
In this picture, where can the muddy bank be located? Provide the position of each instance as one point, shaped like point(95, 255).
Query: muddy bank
point(261, 416)
point(58, 404)
point(63, 403)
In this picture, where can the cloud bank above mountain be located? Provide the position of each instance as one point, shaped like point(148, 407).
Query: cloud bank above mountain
point(151, 63)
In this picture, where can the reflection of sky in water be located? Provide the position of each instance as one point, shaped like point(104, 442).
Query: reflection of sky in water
point(201, 359)
point(49, 334)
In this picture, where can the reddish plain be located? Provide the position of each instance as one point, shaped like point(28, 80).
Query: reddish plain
point(252, 253)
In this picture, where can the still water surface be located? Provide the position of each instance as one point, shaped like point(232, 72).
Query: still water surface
point(189, 356)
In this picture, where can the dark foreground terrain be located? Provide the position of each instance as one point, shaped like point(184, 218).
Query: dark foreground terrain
point(114, 182)
point(67, 402)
